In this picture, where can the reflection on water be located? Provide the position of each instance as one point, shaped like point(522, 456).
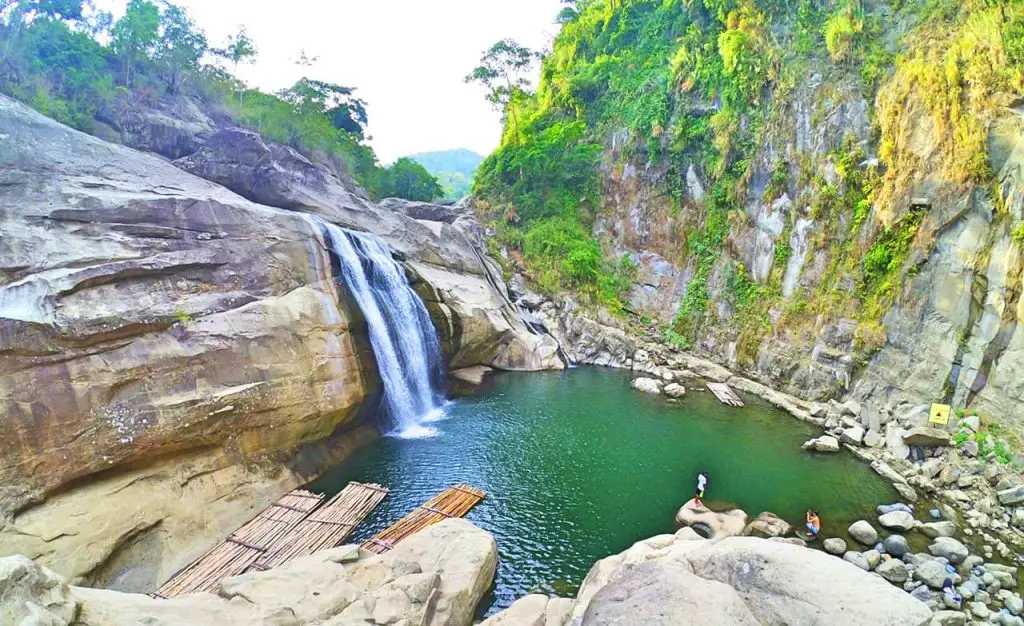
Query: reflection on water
point(578, 466)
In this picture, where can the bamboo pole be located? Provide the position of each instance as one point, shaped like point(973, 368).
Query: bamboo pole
point(455, 501)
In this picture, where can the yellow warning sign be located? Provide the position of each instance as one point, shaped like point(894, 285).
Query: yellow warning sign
point(939, 414)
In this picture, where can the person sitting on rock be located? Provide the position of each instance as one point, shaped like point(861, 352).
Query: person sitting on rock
point(702, 483)
point(813, 524)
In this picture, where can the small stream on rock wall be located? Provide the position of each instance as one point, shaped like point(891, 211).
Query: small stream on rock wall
point(577, 466)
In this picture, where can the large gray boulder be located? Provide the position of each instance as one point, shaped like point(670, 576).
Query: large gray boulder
point(925, 436)
point(942, 528)
point(441, 572)
point(900, 521)
point(824, 443)
point(738, 580)
point(33, 595)
point(863, 532)
point(427, 211)
point(709, 523)
point(894, 571)
point(949, 548)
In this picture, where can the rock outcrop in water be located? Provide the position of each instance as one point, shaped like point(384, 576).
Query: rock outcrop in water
point(685, 579)
point(174, 356)
point(435, 578)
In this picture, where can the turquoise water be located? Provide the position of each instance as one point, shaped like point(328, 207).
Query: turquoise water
point(578, 466)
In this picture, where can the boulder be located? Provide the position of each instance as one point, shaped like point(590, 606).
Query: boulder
point(443, 570)
point(33, 595)
point(931, 573)
point(862, 532)
point(825, 443)
point(851, 408)
point(674, 390)
point(873, 440)
point(1011, 496)
point(896, 545)
point(949, 548)
point(711, 524)
point(882, 509)
point(898, 520)
point(768, 525)
point(938, 529)
point(834, 545)
point(894, 442)
point(853, 435)
point(894, 571)
point(973, 422)
point(646, 385)
point(857, 559)
point(533, 610)
point(872, 557)
point(925, 436)
point(737, 580)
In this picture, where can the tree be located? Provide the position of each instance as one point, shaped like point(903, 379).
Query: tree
point(410, 180)
point(338, 103)
point(135, 35)
point(182, 45)
point(504, 70)
point(239, 49)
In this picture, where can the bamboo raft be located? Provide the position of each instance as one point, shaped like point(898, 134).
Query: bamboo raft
point(327, 527)
point(452, 502)
point(243, 547)
point(725, 394)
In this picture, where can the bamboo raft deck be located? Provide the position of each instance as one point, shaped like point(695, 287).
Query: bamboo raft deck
point(327, 527)
point(725, 394)
point(452, 502)
point(243, 547)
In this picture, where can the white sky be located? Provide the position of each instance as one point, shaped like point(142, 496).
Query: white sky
point(406, 58)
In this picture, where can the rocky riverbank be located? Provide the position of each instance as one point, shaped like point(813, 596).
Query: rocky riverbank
point(438, 576)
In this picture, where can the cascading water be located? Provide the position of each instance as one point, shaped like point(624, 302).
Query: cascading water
point(402, 334)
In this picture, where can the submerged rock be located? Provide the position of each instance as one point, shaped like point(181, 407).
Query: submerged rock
point(768, 525)
point(674, 390)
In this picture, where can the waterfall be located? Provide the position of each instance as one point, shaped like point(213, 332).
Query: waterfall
point(402, 334)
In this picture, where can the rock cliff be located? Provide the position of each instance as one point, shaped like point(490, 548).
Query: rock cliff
point(175, 356)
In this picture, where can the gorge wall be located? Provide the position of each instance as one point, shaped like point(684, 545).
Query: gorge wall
point(823, 195)
point(175, 356)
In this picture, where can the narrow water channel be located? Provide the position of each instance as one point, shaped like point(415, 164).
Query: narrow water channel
point(578, 466)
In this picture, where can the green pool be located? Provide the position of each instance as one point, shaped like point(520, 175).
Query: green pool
point(578, 466)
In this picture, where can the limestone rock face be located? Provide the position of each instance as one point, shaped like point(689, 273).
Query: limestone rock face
point(683, 579)
point(31, 594)
point(159, 327)
point(436, 578)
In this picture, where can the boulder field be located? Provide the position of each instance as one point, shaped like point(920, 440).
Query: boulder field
point(438, 576)
point(175, 354)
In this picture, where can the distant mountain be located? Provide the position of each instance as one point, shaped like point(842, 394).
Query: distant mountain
point(454, 169)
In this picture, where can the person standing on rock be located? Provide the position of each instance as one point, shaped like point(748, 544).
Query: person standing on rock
point(702, 483)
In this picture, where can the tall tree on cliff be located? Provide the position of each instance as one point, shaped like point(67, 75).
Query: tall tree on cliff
point(239, 49)
point(504, 70)
point(182, 45)
point(135, 36)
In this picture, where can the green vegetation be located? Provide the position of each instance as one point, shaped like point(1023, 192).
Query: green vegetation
point(77, 65)
point(454, 170)
point(410, 180)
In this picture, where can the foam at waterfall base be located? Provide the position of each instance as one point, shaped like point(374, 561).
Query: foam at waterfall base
point(418, 430)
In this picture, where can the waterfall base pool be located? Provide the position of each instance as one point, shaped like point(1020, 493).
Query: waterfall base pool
point(578, 466)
